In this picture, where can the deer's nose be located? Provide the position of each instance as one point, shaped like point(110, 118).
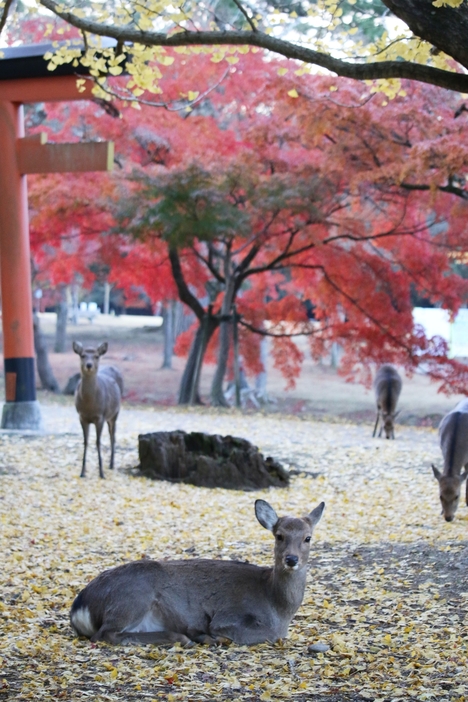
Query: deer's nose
point(89, 365)
point(448, 518)
point(291, 561)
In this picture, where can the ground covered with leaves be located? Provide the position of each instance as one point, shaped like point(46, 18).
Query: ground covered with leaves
point(387, 588)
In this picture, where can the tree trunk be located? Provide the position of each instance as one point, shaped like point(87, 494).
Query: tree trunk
point(191, 378)
point(217, 393)
point(46, 375)
point(335, 355)
point(261, 379)
point(445, 27)
point(168, 330)
point(107, 289)
point(182, 320)
point(235, 343)
point(62, 316)
point(74, 302)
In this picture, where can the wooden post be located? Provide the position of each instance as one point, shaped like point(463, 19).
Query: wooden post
point(19, 156)
point(21, 410)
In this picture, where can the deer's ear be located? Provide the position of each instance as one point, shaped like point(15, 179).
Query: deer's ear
point(437, 474)
point(102, 348)
point(77, 347)
point(316, 514)
point(265, 514)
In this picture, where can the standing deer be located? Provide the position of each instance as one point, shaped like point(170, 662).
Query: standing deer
point(97, 398)
point(201, 600)
point(387, 387)
point(453, 435)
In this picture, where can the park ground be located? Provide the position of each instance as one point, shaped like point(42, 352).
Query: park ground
point(387, 587)
point(136, 347)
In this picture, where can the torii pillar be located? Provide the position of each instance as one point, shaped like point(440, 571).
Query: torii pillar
point(20, 155)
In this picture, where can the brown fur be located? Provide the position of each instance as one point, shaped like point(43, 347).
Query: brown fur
point(387, 387)
point(453, 434)
point(97, 398)
point(199, 600)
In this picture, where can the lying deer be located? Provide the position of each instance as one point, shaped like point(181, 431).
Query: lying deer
point(387, 387)
point(97, 398)
point(203, 601)
point(453, 434)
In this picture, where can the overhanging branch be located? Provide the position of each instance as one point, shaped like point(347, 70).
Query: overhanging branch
point(358, 71)
point(282, 335)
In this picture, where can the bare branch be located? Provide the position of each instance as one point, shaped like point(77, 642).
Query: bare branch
point(208, 262)
point(127, 95)
point(244, 12)
point(4, 15)
point(282, 335)
point(452, 189)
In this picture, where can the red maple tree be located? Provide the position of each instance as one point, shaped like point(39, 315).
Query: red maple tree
point(280, 193)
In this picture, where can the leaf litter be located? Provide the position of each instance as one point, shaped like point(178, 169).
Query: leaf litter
point(387, 589)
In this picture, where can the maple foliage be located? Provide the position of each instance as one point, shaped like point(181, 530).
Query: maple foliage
point(327, 194)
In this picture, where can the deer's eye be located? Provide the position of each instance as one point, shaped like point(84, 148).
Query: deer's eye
point(307, 539)
point(279, 537)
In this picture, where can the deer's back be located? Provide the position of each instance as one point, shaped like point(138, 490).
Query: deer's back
point(183, 596)
point(192, 579)
point(113, 373)
point(453, 433)
point(387, 386)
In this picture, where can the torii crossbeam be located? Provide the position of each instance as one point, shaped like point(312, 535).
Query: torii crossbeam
point(24, 79)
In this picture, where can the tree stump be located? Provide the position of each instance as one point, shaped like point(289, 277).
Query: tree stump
point(208, 460)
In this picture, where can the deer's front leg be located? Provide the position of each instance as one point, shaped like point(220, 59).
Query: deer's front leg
point(99, 426)
point(85, 427)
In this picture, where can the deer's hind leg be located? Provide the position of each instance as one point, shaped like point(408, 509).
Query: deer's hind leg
point(466, 486)
point(115, 637)
point(376, 424)
point(112, 426)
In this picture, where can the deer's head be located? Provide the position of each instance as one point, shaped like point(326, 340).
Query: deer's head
point(89, 357)
point(449, 492)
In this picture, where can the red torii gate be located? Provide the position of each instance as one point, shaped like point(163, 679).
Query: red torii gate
point(20, 155)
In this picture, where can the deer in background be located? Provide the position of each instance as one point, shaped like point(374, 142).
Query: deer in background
point(201, 600)
point(453, 434)
point(387, 387)
point(97, 398)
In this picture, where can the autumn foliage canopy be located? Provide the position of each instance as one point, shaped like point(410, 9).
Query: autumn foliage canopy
point(267, 190)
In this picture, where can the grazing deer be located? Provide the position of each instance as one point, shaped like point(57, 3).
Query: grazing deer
point(453, 434)
point(387, 387)
point(97, 398)
point(203, 601)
